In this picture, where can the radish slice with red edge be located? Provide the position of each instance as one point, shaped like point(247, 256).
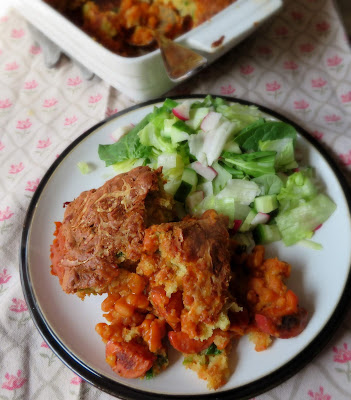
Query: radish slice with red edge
point(260, 218)
point(182, 111)
point(210, 121)
point(317, 227)
point(208, 173)
point(236, 225)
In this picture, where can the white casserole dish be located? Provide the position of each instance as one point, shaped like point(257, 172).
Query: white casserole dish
point(143, 78)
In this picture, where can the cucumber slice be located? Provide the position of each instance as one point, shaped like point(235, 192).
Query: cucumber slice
point(246, 225)
point(187, 185)
point(172, 186)
point(183, 191)
point(266, 204)
point(190, 176)
point(176, 130)
point(264, 234)
point(196, 116)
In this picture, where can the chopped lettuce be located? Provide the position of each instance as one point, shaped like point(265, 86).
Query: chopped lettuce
point(241, 114)
point(250, 137)
point(243, 191)
point(127, 165)
point(250, 155)
point(254, 164)
point(285, 157)
point(128, 147)
point(150, 136)
point(223, 176)
point(223, 205)
point(298, 189)
point(84, 167)
point(299, 223)
point(269, 184)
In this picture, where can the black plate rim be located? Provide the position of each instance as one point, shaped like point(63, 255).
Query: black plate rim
point(124, 392)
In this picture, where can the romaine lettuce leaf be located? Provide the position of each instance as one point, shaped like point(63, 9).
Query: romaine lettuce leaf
point(250, 137)
point(269, 184)
point(128, 147)
point(254, 164)
point(298, 189)
point(285, 158)
point(150, 135)
point(300, 222)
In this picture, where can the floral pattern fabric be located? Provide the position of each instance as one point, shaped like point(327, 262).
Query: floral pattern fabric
point(298, 64)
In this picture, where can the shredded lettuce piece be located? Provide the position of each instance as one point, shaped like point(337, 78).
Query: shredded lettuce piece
point(300, 222)
point(127, 165)
point(298, 188)
point(84, 167)
point(243, 191)
point(310, 244)
point(252, 156)
point(128, 147)
point(285, 157)
point(250, 137)
point(269, 184)
point(254, 164)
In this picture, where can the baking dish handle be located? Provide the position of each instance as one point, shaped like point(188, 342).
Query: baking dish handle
point(230, 25)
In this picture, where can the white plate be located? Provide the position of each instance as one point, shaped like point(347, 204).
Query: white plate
point(318, 277)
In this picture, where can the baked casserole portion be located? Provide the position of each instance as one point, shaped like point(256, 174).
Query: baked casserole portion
point(128, 27)
point(190, 257)
point(104, 228)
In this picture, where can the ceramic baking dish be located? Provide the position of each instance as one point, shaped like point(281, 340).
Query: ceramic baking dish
point(143, 78)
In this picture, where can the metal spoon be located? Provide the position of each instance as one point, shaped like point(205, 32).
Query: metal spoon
point(180, 62)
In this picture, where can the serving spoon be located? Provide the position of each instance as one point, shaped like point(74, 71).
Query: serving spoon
point(180, 62)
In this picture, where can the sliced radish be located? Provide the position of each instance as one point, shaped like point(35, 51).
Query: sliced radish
point(182, 111)
point(194, 199)
point(237, 224)
point(211, 121)
point(317, 227)
point(206, 172)
point(260, 218)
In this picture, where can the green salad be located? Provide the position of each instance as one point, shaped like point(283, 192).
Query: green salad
point(230, 158)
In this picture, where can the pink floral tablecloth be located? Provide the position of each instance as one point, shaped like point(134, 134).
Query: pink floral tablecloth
point(298, 64)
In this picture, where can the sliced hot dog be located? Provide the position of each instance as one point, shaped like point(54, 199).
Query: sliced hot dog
point(289, 326)
point(292, 325)
point(183, 343)
point(168, 308)
point(129, 359)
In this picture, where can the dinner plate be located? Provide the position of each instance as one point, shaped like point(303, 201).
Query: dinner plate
point(321, 279)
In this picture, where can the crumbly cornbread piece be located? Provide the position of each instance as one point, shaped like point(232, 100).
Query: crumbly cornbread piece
point(191, 256)
point(213, 368)
point(104, 228)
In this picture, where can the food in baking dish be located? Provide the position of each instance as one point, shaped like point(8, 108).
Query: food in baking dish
point(128, 27)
